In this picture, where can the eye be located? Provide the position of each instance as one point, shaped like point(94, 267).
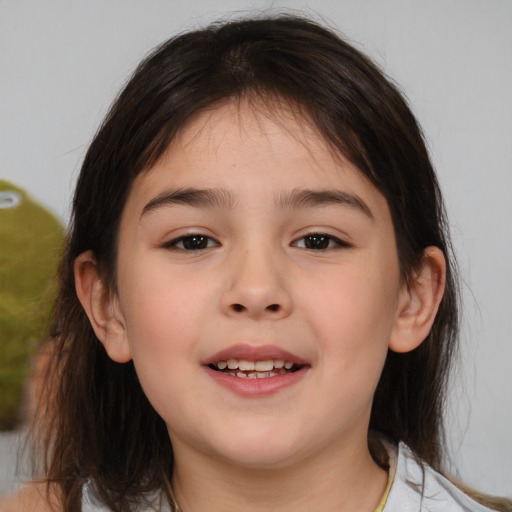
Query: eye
point(191, 243)
point(319, 241)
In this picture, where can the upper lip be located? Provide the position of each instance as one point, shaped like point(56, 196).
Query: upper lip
point(253, 353)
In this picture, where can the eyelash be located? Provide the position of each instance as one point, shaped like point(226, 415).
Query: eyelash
point(320, 238)
point(317, 239)
point(192, 238)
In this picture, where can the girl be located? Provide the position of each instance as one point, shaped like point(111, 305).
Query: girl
point(258, 304)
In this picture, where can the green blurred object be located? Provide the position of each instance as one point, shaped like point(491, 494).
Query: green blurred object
point(31, 241)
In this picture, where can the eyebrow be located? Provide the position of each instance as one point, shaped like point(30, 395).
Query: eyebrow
point(200, 198)
point(303, 198)
point(221, 198)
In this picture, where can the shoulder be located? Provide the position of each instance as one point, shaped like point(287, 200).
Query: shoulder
point(419, 487)
point(31, 498)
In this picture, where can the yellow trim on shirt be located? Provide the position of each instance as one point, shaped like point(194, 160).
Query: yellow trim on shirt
point(382, 503)
point(391, 476)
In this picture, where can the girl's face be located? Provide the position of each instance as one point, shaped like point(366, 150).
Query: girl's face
point(249, 248)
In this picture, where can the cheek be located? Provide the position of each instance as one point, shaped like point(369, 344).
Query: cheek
point(161, 301)
point(159, 322)
point(162, 335)
point(353, 318)
point(355, 303)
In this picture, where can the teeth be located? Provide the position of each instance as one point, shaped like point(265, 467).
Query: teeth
point(254, 369)
point(246, 366)
point(264, 366)
point(246, 369)
point(249, 366)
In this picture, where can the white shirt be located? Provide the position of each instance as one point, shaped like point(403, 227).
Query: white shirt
point(417, 487)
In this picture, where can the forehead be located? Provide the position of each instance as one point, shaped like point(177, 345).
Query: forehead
point(253, 146)
point(251, 120)
point(235, 128)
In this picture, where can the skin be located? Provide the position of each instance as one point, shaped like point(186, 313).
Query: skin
point(256, 281)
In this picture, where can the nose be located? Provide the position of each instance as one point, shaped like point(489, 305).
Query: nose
point(256, 287)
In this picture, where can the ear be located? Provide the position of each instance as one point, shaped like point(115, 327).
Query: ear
point(419, 301)
point(102, 307)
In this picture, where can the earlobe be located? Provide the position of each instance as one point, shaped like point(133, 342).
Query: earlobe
point(419, 302)
point(102, 308)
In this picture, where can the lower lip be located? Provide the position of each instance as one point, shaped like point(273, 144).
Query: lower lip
point(256, 387)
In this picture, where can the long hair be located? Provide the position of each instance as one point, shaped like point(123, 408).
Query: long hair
point(100, 426)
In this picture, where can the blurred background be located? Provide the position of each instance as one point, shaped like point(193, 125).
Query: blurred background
point(63, 61)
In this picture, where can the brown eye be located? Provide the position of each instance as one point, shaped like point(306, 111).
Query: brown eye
point(316, 242)
point(192, 243)
point(319, 241)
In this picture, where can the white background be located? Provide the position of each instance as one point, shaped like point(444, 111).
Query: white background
point(62, 62)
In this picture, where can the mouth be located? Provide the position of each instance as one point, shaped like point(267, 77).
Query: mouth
point(256, 371)
point(259, 369)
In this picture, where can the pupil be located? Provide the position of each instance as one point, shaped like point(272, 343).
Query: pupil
point(317, 242)
point(195, 242)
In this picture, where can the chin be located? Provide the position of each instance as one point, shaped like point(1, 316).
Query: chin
point(259, 449)
point(258, 459)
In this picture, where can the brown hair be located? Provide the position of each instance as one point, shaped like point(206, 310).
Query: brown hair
point(103, 427)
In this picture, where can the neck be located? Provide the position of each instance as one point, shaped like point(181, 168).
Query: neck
point(346, 482)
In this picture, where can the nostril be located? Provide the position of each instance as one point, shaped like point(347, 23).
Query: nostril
point(239, 308)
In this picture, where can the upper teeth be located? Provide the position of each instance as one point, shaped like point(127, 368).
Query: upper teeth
point(260, 366)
